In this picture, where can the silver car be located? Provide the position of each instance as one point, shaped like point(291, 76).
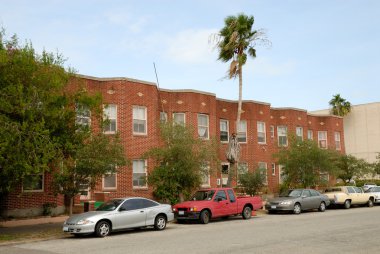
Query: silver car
point(119, 214)
point(298, 200)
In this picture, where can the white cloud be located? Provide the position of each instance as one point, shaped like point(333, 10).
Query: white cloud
point(191, 46)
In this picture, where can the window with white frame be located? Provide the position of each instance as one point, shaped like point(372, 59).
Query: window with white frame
point(309, 134)
point(299, 133)
point(163, 117)
point(139, 173)
point(322, 139)
point(261, 133)
point(225, 168)
point(203, 126)
point(224, 130)
point(324, 177)
point(109, 181)
point(263, 171)
point(242, 131)
point(33, 183)
point(282, 134)
point(273, 169)
point(281, 174)
point(139, 120)
point(179, 118)
point(205, 171)
point(337, 140)
point(271, 129)
point(83, 115)
point(110, 115)
point(242, 168)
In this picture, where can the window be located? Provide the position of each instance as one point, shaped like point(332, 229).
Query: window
point(179, 118)
point(139, 120)
point(109, 181)
point(163, 117)
point(306, 193)
point(110, 115)
point(351, 189)
point(83, 115)
point(324, 177)
point(242, 168)
point(322, 139)
point(33, 183)
point(139, 173)
point(263, 171)
point(337, 140)
point(224, 133)
point(203, 126)
point(205, 175)
point(242, 132)
point(220, 194)
point(299, 133)
point(309, 134)
point(231, 195)
point(261, 134)
point(132, 204)
point(314, 193)
point(273, 169)
point(271, 129)
point(225, 168)
point(282, 134)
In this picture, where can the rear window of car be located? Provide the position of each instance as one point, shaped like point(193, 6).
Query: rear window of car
point(333, 189)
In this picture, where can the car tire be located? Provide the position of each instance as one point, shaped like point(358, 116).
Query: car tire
point(347, 204)
point(297, 208)
point(205, 217)
point(370, 203)
point(322, 207)
point(247, 213)
point(103, 228)
point(160, 222)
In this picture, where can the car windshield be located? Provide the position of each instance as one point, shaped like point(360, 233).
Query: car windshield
point(203, 195)
point(110, 205)
point(292, 193)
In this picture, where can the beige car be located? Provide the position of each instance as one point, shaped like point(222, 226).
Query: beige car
point(349, 195)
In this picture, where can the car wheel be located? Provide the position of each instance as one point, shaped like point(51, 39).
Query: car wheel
point(103, 228)
point(347, 204)
point(322, 207)
point(160, 222)
point(205, 217)
point(297, 208)
point(370, 203)
point(247, 212)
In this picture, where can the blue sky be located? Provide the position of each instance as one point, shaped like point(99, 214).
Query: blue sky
point(319, 47)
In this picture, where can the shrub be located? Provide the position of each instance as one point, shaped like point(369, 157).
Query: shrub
point(47, 208)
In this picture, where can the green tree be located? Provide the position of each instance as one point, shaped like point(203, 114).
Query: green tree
point(236, 41)
point(351, 167)
point(304, 161)
point(252, 182)
point(339, 106)
point(39, 132)
point(181, 162)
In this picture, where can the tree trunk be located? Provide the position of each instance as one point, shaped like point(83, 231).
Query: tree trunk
point(71, 206)
point(181, 198)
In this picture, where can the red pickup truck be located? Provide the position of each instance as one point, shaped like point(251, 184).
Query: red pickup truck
point(214, 203)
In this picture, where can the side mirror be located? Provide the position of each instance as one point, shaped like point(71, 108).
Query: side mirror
point(304, 196)
point(121, 209)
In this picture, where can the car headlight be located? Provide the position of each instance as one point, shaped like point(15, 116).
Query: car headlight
point(84, 222)
point(286, 202)
point(174, 209)
point(193, 209)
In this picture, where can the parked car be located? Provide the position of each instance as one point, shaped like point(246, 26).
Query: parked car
point(349, 195)
point(214, 203)
point(367, 186)
point(119, 214)
point(298, 200)
point(376, 193)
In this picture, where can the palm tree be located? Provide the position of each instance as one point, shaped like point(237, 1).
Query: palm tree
point(236, 42)
point(339, 106)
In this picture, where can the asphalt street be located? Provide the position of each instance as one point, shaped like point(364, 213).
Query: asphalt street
point(335, 231)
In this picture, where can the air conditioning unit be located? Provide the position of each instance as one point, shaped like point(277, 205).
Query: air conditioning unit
point(224, 181)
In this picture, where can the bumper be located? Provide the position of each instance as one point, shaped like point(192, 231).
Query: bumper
point(377, 200)
point(79, 229)
point(270, 207)
point(187, 216)
point(170, 216)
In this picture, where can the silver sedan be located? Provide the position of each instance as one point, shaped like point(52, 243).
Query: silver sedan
point(298, 200)
point(119, 214)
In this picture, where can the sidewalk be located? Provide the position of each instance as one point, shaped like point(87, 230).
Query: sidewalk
point(34, 221)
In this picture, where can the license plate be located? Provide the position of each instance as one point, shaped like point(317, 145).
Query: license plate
point(65, 229)
point(273, 207)
point(181, 212)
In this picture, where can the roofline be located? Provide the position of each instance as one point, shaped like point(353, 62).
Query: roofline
point(116, 79)
point(290, 108)
point(244, 101)
point(186, 91)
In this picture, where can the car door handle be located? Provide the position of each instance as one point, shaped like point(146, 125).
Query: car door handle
point(141, 211)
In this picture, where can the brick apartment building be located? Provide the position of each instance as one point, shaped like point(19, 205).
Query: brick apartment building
point(135, 108)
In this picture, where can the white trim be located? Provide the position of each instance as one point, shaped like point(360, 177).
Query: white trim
point(286, 135)
point(273, 167)
point(110, 188)
point(299, 128)
point(265, 132)
point(146, 174)
point(107, 115)
point(204, 126)
point(244, 131)
point(179, 113)
point(228, 130)
point(337, 140)
point(145, 120)
point(319, 139)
